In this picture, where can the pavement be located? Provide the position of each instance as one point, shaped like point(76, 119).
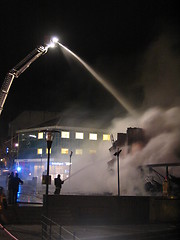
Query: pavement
point(21, 232)
point(114, 232)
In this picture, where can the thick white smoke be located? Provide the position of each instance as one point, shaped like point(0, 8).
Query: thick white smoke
point(160, 120)
point(162, 128)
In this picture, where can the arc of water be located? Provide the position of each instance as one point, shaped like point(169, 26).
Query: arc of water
point(104, 83)
point(78, 171)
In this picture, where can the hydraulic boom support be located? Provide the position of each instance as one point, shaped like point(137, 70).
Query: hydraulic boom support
point(17, 70)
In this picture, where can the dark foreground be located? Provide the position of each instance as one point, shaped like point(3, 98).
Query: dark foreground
point(95, 217)
point(129, 232)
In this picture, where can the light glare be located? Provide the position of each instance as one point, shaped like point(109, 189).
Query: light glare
point(51, 45)
point(54, 39)
point(18, 169)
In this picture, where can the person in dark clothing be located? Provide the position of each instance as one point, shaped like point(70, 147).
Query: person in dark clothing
point(10, 188)
point(58, 184)
point(16, 182)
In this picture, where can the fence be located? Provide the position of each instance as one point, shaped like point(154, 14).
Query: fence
point(53, 231)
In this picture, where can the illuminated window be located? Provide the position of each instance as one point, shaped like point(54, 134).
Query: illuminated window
point(64, 150)
point(65, 134)
point(79, 135)
point(32, 136)
point(79, 152)
point(39, 151)
point(40, 135)
point(47, 151)
point(92, 151)
point(93, 136)
point(106, 137)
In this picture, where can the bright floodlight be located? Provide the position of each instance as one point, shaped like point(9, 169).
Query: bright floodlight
point(54, 39)
point(52, 43)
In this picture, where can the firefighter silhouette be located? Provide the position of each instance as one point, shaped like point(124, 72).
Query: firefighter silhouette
point(58, 184)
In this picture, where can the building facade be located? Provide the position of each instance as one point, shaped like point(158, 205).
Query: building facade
point(70, 145)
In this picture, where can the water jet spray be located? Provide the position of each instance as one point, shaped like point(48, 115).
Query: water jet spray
point(78, 171)
point(102, 81)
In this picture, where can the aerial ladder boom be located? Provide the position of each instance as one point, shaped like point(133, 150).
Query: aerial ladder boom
point(17, 70)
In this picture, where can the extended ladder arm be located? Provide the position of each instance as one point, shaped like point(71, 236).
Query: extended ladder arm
point(17, 70)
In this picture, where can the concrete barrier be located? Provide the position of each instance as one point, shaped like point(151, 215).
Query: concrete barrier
point(164, 210)
point(110, 209)
point(96, 210)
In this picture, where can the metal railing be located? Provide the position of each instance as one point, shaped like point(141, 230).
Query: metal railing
point(53, 231)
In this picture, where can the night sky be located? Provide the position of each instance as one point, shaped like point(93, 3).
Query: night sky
point(135, 45)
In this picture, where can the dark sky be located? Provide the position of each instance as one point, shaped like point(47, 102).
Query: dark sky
point(133, 44)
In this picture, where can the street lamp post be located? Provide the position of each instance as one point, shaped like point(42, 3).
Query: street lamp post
point(70, 162)
point(117, 153)
point(49, 139)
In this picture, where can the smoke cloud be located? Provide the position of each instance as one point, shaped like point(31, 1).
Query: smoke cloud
point(159, 116)
point(92, 176)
